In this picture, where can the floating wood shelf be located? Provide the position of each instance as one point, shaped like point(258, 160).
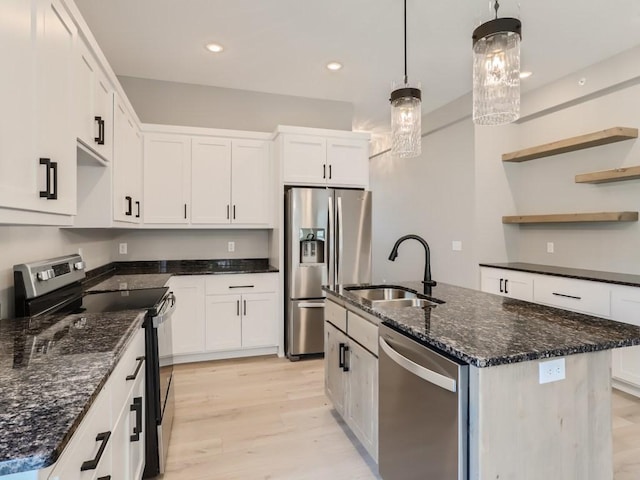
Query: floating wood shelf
point(610, 135)
point(616, 175)
point(573, 217)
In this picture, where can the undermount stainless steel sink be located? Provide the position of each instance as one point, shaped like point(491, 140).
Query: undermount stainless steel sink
point(382, 293)
point(404, 302)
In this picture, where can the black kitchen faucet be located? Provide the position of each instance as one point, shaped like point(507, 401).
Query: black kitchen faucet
point(428, 283)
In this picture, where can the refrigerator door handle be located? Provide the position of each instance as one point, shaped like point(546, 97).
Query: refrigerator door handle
point(331, 243)
point(339, 243)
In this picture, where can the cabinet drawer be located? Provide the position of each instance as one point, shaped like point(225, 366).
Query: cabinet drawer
point(127, 371)
point(593, 298)
point(241, 283)
point(335, 314)
point(363, 331)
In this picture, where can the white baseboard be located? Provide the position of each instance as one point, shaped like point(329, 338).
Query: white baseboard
point(626, 387)
point(207, 356)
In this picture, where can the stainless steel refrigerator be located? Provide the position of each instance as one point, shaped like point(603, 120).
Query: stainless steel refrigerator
point(327, 242)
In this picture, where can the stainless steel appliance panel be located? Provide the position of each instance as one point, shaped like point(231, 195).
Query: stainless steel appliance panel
point(307, 214)
point(305, 334)
point(423, 404)
point(353, 236)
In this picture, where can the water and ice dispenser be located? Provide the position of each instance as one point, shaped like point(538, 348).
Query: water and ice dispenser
point(312, 245)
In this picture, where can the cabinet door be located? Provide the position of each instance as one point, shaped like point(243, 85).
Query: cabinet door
point(56, 136)
point(250, 182)
point(188, 320)
point(127, 169)
point(103, 108)
point(347, 162)
point(211, 180)
point(167, 179)
point(304, 158)
point(507, 283)
point(625, 307)
point(86, 80)
point(136, 431)
point(362, 396)
point(334, 376)
point(224, 322)
point(259, 320)
point(19, 168)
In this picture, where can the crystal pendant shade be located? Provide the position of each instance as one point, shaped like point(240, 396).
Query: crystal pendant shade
point(406, 124)
point(496, 79)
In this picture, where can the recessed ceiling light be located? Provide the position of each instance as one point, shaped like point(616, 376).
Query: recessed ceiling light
point(525, 74)
point(214, 47)
point(333, 66)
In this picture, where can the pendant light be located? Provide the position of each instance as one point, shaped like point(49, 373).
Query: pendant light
point(496, 71)
point(406, 113)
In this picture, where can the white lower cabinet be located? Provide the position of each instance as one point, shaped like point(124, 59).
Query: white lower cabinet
point(625, 307)
point(351, 376)
point(224, 316)
point(109, 442)
point(507, 283)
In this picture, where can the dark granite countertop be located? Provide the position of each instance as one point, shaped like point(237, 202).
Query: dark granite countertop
point(51, 370)
point(138, 281)
point(486, 330)
point(196, 267)
point(592, 275)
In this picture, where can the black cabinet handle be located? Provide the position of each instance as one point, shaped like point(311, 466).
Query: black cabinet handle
point(341, 355)
point(506, 282)
point(185, 210)
point(51, 189)
point(345, 367)
point(227, 212)
point(329, 172)
point(108, 477)
point(133, 376)
point(238, 308)
point(501, 290)
point(100, 138)
point(129, 201)
point(93, 464)
point(136, 406)
point(234, 212)
point(245, 307)
point(324, 171)
point(137, 209)
point(566, 296)
point(241, 286)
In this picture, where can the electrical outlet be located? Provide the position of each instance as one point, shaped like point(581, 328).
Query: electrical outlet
point(456, 245)
point(549, 247)
point(231, 246)
point(552, 370)
point(123, 249)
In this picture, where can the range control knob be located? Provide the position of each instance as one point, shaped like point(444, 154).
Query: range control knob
point(78, 266)
point(45, 275)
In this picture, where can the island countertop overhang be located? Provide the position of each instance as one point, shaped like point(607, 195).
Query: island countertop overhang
point(486, 330)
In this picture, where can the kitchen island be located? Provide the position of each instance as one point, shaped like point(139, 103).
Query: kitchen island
point(518, 428)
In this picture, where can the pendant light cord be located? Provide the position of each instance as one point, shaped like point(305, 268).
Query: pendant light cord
point(405, 42)
point(496, 6)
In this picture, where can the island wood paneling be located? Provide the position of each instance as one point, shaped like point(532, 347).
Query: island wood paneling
point(572, 218)
point(605, 176)
point(523, 430)
point(603, 137)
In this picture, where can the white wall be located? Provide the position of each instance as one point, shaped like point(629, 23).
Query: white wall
point(189, 105)
point(429, 196)
point(28, 244)
point(191, 244)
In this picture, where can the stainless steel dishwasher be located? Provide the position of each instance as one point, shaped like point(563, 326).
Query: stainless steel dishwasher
point(423, 411)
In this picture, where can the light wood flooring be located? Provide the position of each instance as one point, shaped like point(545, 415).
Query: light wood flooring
point(268, 418)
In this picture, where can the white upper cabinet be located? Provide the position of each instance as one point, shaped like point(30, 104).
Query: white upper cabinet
point(318, 158)
point(167, 179)
point(94, 104)
point(250, 182)
point(37, 141)
point(210, 185)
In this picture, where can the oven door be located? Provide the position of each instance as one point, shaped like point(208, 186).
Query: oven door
point(162, 326)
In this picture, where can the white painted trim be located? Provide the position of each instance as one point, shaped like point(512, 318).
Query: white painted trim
point(321, 132)
point(625, 387)
point(208, 356)
point(9, 216)
point(196, 226)
point(202, 131)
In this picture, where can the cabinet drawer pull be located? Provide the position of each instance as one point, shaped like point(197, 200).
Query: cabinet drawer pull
point(185, 211)
point(345, 367)
point(238, 308)
point(227, 212)
point(234, 212)
point(129, 201)
point(136, 406)
point(93, 464)
point(501, 290)
point(137, 209)
point(133, 376)
point(108, 477)
point(506, 282)
point(241, 286)
point(245, 308)
point(100, 138)
point(324, 171)
point(341, 355)
point(329, 172)
point(51, 189)
point(566, 296)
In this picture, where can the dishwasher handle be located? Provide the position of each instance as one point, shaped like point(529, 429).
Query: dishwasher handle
point(422, 372)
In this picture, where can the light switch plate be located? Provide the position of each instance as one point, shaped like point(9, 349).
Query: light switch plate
point(552, 370)
point(550, 247)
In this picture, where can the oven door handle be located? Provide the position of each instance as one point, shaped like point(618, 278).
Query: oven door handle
point(168, 307)
point(422, 372)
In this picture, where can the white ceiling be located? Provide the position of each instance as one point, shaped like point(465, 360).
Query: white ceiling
point(282, 46)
